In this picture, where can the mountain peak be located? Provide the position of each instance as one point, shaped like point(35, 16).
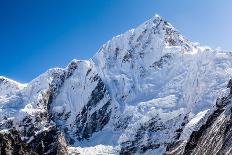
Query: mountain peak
point(157, 22)
point(155, 19)
point(155, 32)
point(144, 89)
point(157, 16)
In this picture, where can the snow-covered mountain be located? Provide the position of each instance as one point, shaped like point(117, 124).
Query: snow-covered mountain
point(147, 91)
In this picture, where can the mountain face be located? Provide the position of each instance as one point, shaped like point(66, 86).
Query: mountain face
point(147, 91)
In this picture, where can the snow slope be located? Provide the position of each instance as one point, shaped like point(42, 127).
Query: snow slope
point(142, 91)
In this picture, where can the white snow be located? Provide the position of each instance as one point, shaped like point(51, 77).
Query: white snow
point(96, 150)
point(192, 124)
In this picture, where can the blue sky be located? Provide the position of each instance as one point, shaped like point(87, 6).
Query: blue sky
point(40, 34)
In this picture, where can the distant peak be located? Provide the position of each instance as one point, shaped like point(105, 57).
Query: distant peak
point(5, 80)
point(2, 79)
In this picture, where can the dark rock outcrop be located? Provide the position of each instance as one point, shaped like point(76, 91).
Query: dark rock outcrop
point(86, 123)
point(137, 144)
point(48, 142)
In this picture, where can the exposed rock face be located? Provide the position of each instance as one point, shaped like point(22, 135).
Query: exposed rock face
point(84, 87)
point(49, 142)
point(145, 131)
point(147, 91)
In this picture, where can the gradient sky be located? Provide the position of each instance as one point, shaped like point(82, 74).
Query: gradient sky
point(36, 35)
